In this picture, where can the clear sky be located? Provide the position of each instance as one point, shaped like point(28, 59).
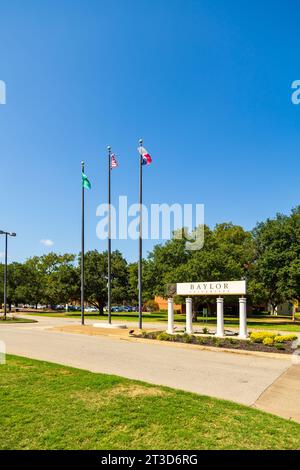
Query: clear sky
point(206, 83)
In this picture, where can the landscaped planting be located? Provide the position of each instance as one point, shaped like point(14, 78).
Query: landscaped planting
point(260, 341)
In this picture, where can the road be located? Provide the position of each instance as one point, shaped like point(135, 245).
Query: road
point(239, 378)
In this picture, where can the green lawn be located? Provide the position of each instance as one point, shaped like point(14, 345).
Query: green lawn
point(47, 406)
point(9, 320)
point(257, 322)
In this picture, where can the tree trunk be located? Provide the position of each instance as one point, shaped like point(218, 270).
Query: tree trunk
point(273, 310)
point(101, 311)
point(294, 313)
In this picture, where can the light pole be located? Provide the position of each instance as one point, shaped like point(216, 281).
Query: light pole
point(7, 234)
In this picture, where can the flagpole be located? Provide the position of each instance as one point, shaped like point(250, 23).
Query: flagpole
point(82, 248)
point(109, 238)
point(140, 284)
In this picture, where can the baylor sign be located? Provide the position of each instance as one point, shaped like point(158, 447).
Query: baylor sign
point(217, 288)
point(212, 288)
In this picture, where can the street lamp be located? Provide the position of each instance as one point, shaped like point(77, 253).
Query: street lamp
point(7, 234)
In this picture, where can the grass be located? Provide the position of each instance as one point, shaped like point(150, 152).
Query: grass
point(15, 320)
point(47, 406)
point(261, 322)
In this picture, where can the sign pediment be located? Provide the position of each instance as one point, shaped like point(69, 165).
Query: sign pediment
point(211, 288)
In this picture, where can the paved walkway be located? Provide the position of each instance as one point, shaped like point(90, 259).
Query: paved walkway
point(282, 397)
point(239, 378)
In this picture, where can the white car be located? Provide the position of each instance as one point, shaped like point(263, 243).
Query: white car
point(91, 309)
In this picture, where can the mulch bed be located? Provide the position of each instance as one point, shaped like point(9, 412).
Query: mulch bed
point(228, 343)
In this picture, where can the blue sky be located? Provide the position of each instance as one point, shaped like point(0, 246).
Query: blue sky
point(206, 83)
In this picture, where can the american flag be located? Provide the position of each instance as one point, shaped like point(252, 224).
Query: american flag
point(114, 162)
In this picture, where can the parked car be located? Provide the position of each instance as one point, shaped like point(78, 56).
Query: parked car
point(91, 309)
point(119, 308)
point(127, 308)
point(115, 309)
point(73, 308)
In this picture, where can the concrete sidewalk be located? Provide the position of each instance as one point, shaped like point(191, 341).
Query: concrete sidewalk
point(282, 397)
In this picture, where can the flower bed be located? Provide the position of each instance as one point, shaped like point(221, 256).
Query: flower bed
point(262, 341)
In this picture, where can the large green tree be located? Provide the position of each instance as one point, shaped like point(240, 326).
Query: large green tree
point(227, 253)
point(15, 277)
point(63, 280)
point(163, 260)
point(277, 264)
point(133, 283)
point(96, 278)
point(49, 279)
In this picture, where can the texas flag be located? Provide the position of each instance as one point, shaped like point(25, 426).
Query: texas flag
point(146, 158)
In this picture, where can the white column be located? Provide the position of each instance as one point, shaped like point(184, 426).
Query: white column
point(220, 317)
point(170, 329)
point(243, 318)
point(189, 316)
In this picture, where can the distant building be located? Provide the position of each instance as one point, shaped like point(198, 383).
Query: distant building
point(163, 305)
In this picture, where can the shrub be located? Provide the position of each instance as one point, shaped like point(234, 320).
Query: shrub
point(268, 341)
point(205, 330)
point(259, 336)
point(187, 338)
point(279, 346)
point(291, 337)
point(284, 338)
point(164, 337)
point(177, 337)
point(201, 340)
point(150, 334)
point(216, 341)
point(233, 341)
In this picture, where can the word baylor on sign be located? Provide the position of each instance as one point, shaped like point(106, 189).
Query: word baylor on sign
point(212, 288)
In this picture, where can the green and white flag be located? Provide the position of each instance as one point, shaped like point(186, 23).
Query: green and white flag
point(85, 182)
